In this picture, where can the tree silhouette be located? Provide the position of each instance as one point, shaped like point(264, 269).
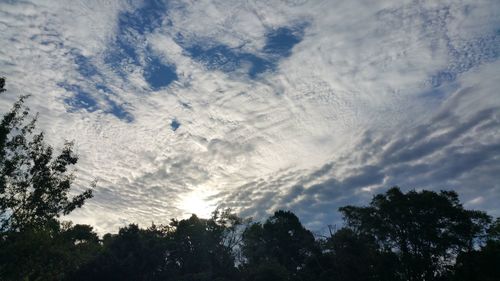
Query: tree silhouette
point(348, 256)
point(199, 251)
point(34, 191)
point(192, 249)
point(481, 264)
point(282, 240)
point(426, 230)
point(132, 254)
point(34, 183)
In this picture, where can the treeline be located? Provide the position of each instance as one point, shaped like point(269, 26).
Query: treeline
point(414, 236)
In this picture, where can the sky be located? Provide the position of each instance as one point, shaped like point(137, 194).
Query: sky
point(180, 107)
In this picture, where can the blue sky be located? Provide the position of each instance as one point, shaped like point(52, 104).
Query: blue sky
point(182, 106)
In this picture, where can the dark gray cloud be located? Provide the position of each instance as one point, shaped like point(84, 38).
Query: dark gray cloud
point(449, 151)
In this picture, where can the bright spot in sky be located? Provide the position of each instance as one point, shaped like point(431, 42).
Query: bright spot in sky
point(197, 203)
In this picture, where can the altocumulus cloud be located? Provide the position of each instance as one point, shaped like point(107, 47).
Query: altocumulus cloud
point(306, 105)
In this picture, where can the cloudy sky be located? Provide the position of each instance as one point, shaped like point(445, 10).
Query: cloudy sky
point(178, 107)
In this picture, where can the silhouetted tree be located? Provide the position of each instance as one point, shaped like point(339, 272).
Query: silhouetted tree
point(34, 183)
point(426, 230)
point(348, 256)
point(199, 250)
point(192, 249)
point(482, 264)
point(132, 254)
point(266, 271)
point(34, 192)
point(50, 253)
point(282, 240)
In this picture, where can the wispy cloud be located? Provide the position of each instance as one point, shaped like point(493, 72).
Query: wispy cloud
point(307, 105)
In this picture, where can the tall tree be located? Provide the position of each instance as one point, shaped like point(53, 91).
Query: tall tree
point(132, 254)
point(481, 264)
point(348, 256)
point(34, 182)
point(426, 230)
point(200, 249)
point(282, 240)
point(34, 192)
point(191, 249)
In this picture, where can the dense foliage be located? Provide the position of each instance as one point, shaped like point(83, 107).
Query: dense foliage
point(34, 183)
point(34, 191)
point(414, 236)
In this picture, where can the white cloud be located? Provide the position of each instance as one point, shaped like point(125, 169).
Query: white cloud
point(383, 69)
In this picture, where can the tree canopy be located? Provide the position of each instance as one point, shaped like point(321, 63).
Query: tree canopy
point(34, 181)
point(426, 230)
point(35, 185)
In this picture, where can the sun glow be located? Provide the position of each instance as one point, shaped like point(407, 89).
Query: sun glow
point(196, 203)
